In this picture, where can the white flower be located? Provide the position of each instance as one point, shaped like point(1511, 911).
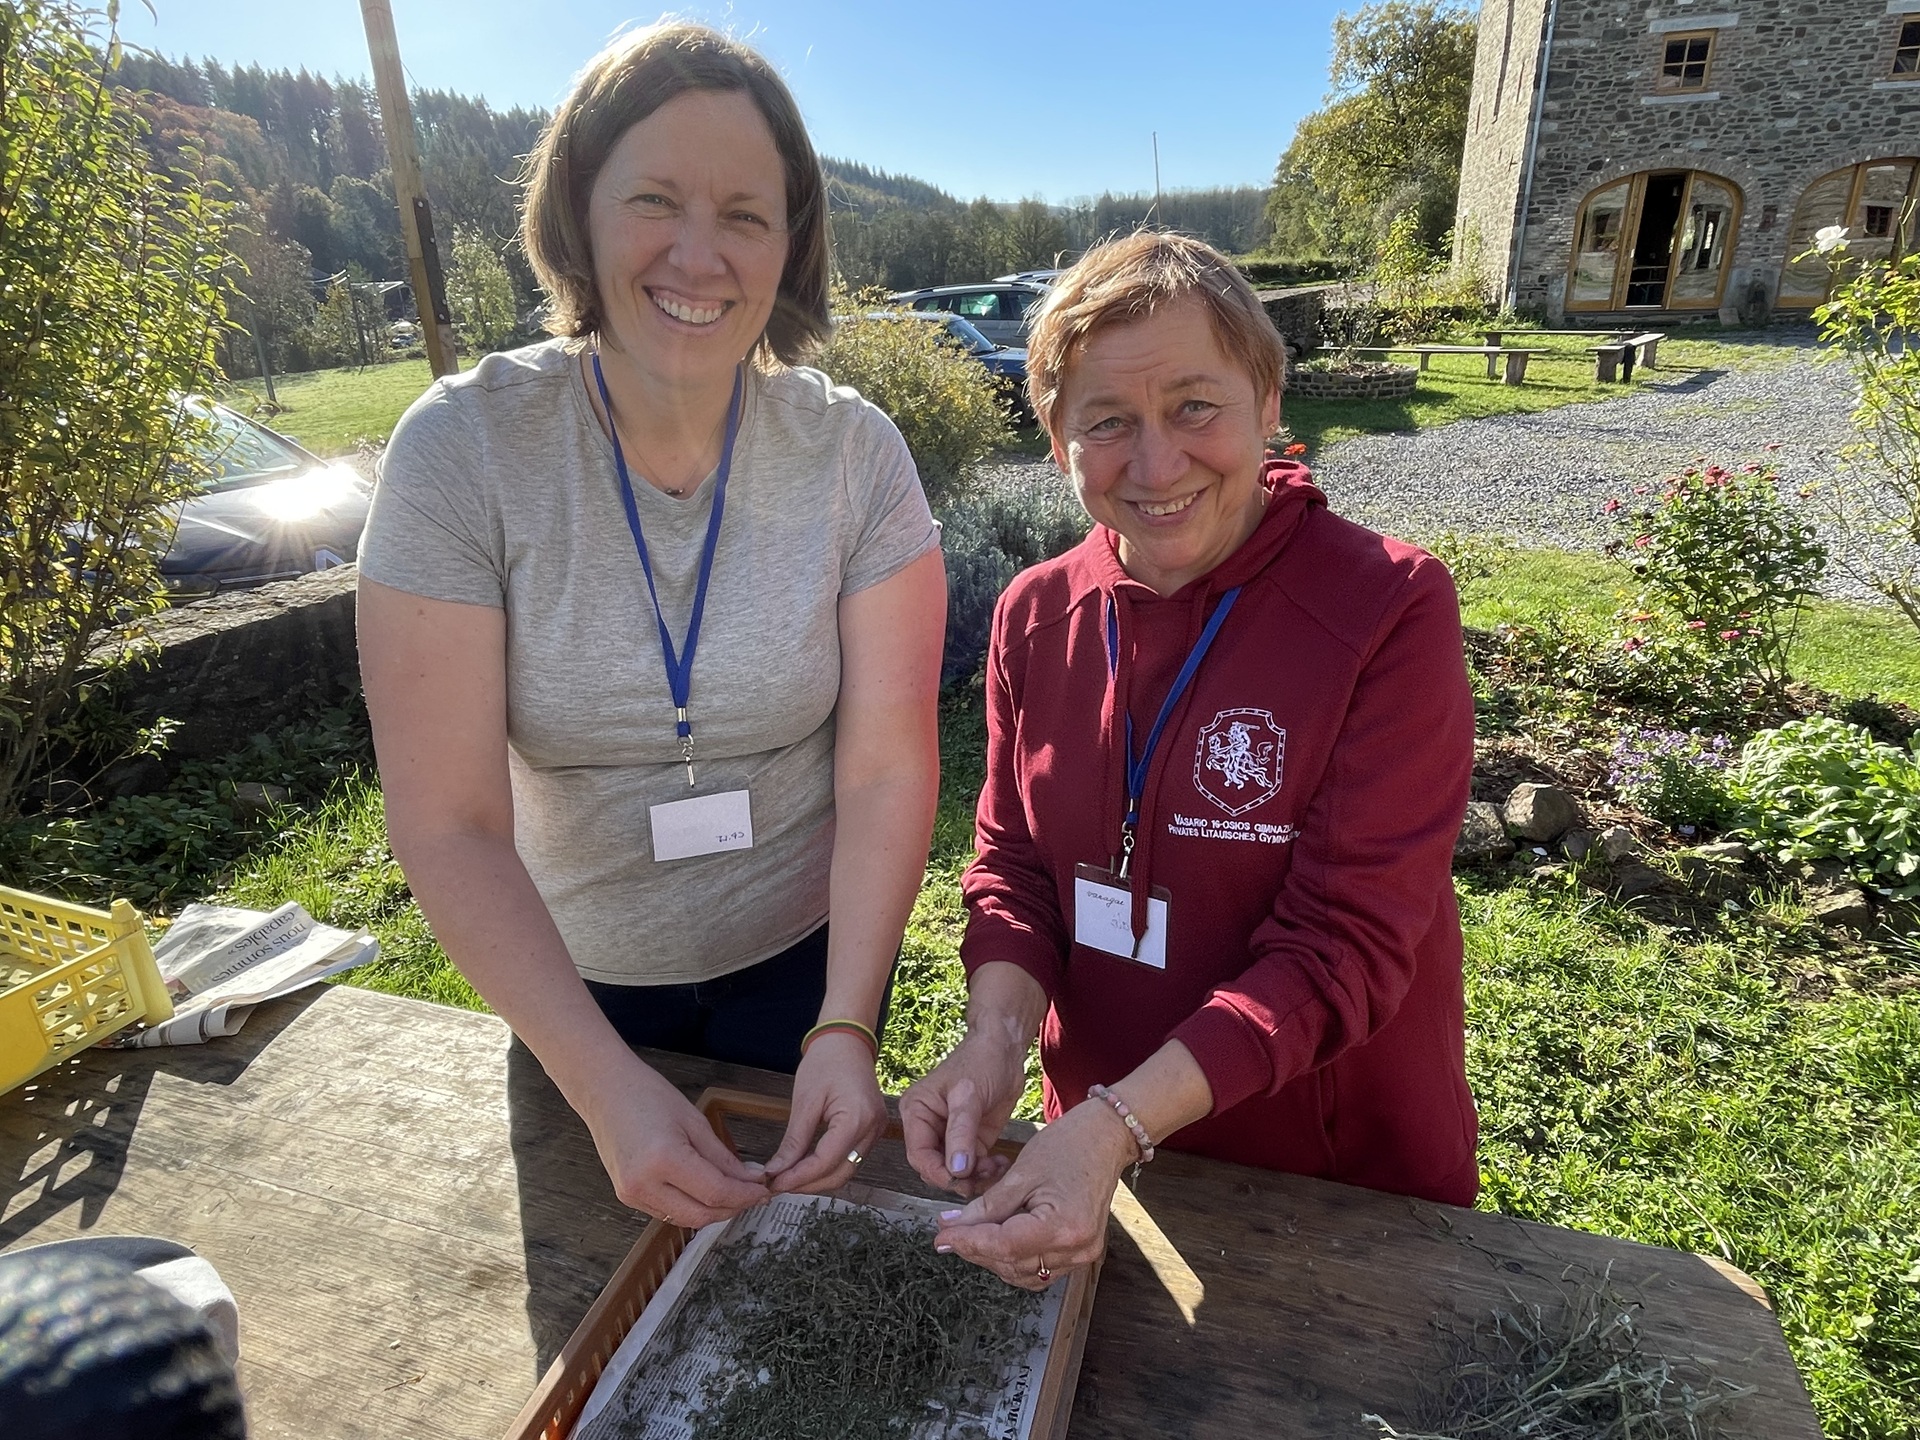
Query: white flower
point(1830, 239)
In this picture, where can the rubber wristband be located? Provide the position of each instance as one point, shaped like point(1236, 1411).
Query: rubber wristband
point(851, 1027)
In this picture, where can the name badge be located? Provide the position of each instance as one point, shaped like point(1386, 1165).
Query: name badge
point(1103, 917)
point(704, 825)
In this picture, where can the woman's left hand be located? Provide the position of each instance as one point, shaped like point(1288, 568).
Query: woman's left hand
point(1049, 1212)
point(834, 1087)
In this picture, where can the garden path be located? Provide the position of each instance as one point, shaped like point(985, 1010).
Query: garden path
point(1541, 479)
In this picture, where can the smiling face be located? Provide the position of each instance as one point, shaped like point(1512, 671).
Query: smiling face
point(1165, 437)
point(688, 224)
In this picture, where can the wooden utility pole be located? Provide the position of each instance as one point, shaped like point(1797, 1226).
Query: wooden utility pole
point(416, 219)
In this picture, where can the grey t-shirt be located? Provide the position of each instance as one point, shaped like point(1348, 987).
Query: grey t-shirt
point(499, 489)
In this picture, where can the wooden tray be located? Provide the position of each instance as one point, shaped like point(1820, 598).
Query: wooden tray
point(562, 1393)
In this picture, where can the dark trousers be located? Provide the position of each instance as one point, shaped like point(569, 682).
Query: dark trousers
point(756, 1016)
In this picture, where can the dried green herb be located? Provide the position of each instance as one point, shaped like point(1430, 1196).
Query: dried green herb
point(851, 1328)
point(1579, 1370)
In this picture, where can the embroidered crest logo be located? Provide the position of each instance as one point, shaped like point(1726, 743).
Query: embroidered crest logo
point(1238, 761)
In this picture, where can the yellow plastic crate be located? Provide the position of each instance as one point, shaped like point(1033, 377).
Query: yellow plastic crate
point(69, 976)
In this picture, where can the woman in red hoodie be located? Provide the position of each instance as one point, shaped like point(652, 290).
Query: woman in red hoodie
point(1229, 739)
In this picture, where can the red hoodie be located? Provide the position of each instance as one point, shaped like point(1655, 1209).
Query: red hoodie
point(1301, 809)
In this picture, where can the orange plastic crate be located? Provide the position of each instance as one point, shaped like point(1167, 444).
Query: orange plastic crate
point(69, 976)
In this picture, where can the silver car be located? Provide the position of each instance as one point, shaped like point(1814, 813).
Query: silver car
point(999, 310)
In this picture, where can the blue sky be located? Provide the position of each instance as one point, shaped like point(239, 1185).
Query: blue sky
point(987, 98)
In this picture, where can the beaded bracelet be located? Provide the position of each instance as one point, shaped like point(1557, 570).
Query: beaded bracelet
point(1134, 1127)
point(851, 1027)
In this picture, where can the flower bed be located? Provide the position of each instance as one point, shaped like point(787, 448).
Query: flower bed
point(1364, 380)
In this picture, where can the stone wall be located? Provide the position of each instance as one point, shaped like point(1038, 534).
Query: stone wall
point(245, 662)
point(1797, 89)
point(1505, 70)
point(1296, 313)
point(1366, 382)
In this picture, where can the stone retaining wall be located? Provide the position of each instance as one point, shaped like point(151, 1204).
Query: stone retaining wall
point(1296, 313)
point(245, 662)
point(1365, 382)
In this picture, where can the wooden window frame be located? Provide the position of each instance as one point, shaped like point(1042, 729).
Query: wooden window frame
point(1909, 26)
point(1664, 84)
point(1906, 225)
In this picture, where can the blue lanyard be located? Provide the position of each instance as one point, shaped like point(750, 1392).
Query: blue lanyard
point(679, 665)
point(1137, 768)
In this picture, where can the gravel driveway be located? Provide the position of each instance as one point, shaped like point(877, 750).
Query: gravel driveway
point(1541, 479)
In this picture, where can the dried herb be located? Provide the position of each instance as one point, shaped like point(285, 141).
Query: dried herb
point(1579, 1370)
point(851, 1328)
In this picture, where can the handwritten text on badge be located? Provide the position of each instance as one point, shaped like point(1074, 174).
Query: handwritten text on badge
point(1103, 920)
point(704, 825)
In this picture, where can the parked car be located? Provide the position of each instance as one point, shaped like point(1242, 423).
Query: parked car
point(998, 309)
point(1006, 363)
point(267, 510)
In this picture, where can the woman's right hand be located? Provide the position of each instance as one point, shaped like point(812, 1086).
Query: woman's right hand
point(951, 1116)
point(660, 1152)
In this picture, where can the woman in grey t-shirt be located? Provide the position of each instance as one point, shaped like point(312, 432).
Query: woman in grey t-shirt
point(650, 628)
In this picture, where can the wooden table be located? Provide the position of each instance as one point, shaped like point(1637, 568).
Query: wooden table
point(412, 1221)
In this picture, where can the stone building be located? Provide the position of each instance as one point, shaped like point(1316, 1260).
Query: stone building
point(1682, 153)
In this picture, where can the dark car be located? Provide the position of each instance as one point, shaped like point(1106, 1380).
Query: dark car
point(1006, 363)
point(267, 510)
point(999, 309)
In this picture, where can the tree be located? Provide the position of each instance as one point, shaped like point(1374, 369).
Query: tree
point(479, 293)
point(1391, 133)
point(108, 315)
point(273, 285)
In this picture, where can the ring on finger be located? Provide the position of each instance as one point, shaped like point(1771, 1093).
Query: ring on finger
point(854, 1157)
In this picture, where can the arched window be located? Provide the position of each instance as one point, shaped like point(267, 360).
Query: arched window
point(1874, 201)
point(1659, 240)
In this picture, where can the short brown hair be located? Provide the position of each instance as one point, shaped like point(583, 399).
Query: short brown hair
point(1129, 279)
point(620, 87)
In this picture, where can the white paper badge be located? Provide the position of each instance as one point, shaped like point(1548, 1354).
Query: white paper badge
point(704, 825)
point(1103, 918)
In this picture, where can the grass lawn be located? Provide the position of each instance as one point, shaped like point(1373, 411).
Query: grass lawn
point(332, 411)
point(1456, 387)
point(1849, 649)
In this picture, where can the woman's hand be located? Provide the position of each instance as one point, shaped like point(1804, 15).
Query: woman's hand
point(834, 1087)
point(660, 1152)
point(1049, 1211)
point(951, 1116)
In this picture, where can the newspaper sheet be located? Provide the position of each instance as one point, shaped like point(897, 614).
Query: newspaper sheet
point(648, 1390)
point(219, 961)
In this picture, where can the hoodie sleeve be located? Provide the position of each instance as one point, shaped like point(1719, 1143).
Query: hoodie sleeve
point(1335, 958)
point(1013, 908)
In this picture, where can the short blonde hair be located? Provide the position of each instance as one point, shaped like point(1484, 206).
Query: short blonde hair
point(620, 87)
point(1129, 279)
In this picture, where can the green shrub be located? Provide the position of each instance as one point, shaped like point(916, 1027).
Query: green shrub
point(109, 305)
point(989, 535)
point(946, 404)
point(1820, 789)
point(1644, 662)
point(1720, 553)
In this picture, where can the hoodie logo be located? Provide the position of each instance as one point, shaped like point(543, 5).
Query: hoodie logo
point(1238, 761)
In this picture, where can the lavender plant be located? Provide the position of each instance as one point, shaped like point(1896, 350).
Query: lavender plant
point(1678, 777)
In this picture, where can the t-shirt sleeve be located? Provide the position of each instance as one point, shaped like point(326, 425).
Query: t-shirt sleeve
point(893, 525)
point(432, 530)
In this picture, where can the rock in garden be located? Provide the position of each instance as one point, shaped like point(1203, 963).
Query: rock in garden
point(1540, 812)
point(1726, 852)
point(1713, 876)
point(1631, 880)
point(1847, 907)
point(1577, 843)
point(1616, 843)
point(1483, 836)
point(256, 799)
